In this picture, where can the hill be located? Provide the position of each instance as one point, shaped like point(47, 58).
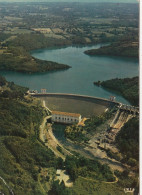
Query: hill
point(18, 59)
point(124, 49)
point(22, 155)
point(15, 56)
point(128, 87)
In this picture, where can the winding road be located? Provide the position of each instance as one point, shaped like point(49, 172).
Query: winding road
point(47, 136)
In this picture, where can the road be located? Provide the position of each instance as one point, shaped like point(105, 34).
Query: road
point(47, 136)
point(42, 128)
point(48, 139)
point(10, 190)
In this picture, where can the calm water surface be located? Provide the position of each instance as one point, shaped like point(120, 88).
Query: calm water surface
point(78, 79)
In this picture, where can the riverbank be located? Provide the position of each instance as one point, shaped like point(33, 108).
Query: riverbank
point(122, 49)
point(75, 80)
point(128, 87)
point(19, 60)
point(20, 118)
point(15, 53)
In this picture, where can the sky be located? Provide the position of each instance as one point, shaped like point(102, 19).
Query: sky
point(109, 1)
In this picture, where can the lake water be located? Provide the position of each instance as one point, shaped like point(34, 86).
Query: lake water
point(78, 79)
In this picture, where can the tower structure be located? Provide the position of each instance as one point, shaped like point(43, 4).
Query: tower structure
point(43, 91)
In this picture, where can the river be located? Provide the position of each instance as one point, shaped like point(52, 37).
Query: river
point(78, 79)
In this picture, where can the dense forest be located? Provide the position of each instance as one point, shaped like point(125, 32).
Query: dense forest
point(4, 36)
point(88, 168)
point(16, 58)
point(127, 141)
point(128, 87)
point(35, 41)
point(82, 170)
point(22, 155)
point(124, 49)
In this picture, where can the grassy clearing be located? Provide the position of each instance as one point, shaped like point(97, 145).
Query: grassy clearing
point(84, 187)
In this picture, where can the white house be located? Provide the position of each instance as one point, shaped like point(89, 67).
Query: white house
point(65, 117)
point(58, 172)
point(112, 98)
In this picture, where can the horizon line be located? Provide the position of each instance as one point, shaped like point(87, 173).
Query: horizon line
point(72, 1)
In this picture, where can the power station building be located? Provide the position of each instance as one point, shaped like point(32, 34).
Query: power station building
point(65, 117)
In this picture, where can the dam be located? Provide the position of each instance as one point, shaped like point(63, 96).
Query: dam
point(87, 106)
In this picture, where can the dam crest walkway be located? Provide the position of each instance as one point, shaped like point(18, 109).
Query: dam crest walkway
point(127, 108)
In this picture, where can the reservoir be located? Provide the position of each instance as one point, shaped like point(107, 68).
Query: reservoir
point(78, 79)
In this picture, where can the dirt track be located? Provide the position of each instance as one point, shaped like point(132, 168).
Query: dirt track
point(94, 149)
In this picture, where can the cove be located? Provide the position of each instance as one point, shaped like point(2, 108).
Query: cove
point(78, 79)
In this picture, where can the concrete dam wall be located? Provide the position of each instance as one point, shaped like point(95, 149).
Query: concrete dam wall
point(85, 105)
point(97, 100)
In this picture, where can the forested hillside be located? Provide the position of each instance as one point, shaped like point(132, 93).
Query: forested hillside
point(22, 156)
point(128, 87)
point(122, 48)
point(15, 56)
point(128, 141)
point(35, 41)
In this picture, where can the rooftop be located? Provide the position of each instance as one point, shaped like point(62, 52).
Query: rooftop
point(66, 113)
point(58, 171)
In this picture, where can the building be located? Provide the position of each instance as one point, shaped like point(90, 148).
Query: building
point(112, 98)
point(65, 117)
point(43, 91)
point(58, 172)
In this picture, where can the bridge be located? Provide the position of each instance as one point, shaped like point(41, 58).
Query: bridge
point(130, 109)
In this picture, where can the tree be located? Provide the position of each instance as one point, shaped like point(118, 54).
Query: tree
point(60, 163)
point(2, 81)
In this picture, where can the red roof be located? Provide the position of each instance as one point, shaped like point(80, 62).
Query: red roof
point(66, 113)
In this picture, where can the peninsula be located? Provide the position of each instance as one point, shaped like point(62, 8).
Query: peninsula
point(25, 27)
point(16, 59)
point(128, 87)
point(123, 49)
point(15, 55)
